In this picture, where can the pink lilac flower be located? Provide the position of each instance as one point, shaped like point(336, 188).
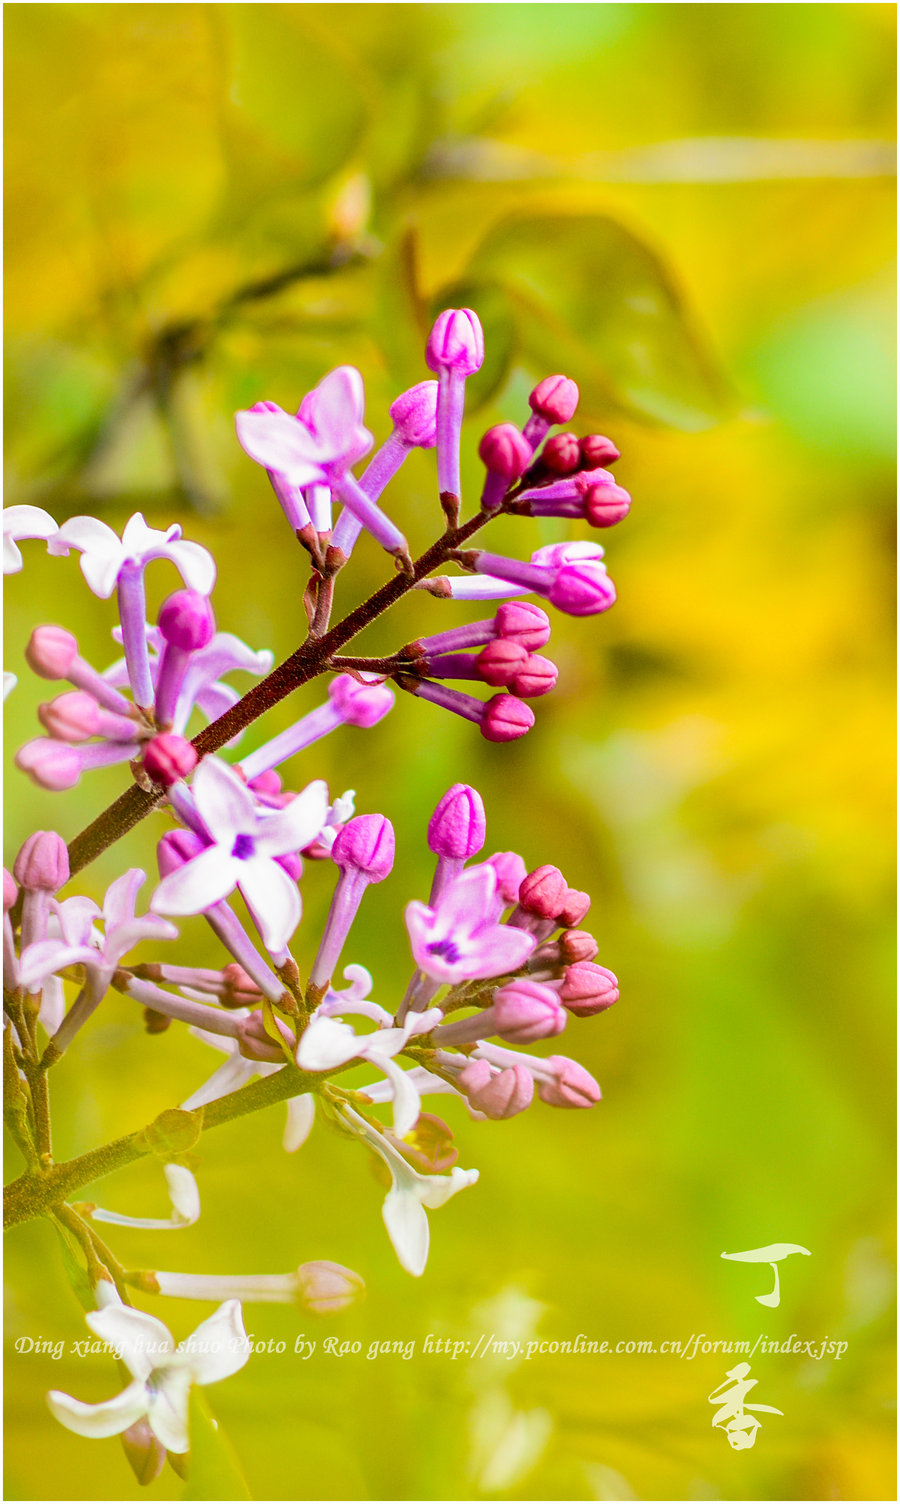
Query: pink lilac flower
point(455, 350)
point(458, 940)
point(414, 415)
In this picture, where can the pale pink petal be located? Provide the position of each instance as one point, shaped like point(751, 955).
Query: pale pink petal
point(200, 883)
point(273, 900)
point(279, 442)
point(295, 826)
point(224, 802)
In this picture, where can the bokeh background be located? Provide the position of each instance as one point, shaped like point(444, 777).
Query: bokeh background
point(689, 208)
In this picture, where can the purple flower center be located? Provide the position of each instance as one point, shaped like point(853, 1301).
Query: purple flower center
point(446, 948)
point(243, 847)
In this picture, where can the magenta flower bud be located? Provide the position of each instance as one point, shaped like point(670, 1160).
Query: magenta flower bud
point(505, 719)
point(510, 870)
point(72, 717)
point(544, 892)
point(570, 1084)
point(167, 758)
point(574, 908)
point(504, 452)
point(367, 844)
point(588, 989)
point(562, 454)
point(596, 451)
point(577, 945)
point(175, 848)
point(457, 827)
point(267, 784)
point(51, 651)
point(525, 1011)
point(186, 620)
point(325, 1288)
point(146, 1455)
point(292, 862)
point(43, 863)
point(605, 505)
point(49, 764)
point(414, 415)
point(554, 399)
point(582, 589)
point(456, 342)
point(498, 1094)
point(537, 676)
point(10, 891)
point(360, 704)
point(500, 661)
point(524, 623)
point(255, 1042)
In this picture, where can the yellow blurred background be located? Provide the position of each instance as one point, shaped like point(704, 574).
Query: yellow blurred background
point(688, 208)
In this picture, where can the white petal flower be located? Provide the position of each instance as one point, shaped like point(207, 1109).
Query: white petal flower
point(183, 1194)
point(23, 522)
point(328, 1042)
point(104, 554)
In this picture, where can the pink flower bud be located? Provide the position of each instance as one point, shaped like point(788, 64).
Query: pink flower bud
point(186, 620)
point(240, 990)
point(457, 827)
point(414, 415)
point(175, 848)
point(544, 892)
point(367, 844)
point(577, 945)
point(575, 908)
point(510, 870)
point(537, 676)
point(267, 784)
point(360, 704)
point(72, 717)
point(49, 764)
point(10, 891)
point(42, 863)
point(525, 1011)
point(605, 505)
point(255, 1043)
point(500, 661)
point(582, 589)
point(146, 1455)
point(522, 622)
point(588, 989)
point(51, 652)
point(562, 454)
point(503, 451)
point(596, 451)
point(499, 1094)
point(292, 862)
point(505, 719)
point(325, 1288)
point(167, 758)
point(570, 1086)
point(555, 399)
point(456, 342)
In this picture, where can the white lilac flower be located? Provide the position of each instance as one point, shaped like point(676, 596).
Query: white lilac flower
point(183, 1194)
point(245, 842)
point(327, 1042)
point(23, 522)
point(410, 1193)
point(236, 1070)
point(104, 555)
point(162, 1374)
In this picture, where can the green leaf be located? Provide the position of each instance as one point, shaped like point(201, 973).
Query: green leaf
point(213, 1468)
point(590, 298)
point(173, 1134)
point(75, 1270)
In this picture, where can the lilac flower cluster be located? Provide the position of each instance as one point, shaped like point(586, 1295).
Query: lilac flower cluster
point(500, 959)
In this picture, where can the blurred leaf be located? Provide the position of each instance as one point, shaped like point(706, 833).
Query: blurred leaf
point(213, 1470)
point(75, 1270)
point(591, 298)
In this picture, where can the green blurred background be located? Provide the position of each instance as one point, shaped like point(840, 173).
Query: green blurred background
point(688, 208)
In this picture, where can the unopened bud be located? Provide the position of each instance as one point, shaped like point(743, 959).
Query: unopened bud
point(240, 990)
point(186, 620)
point(570, 1085)
point(51, 651)
point(577, 945)
point(10, 891)
point(588, 989)
point(597, 451)
point(155, 1023)
point(543, 892)
point(43, 863)
point(505, 719)
point(562, 454)
point(500, 660)
point(605, 505)
point(574, 908)
point(582, 589)
point(457, 827)
point(498, 1094)
point(537, 676)
point(525, 1011)
point(555, 399)
point(325, 1288)
point(414, 415)
point(504, 452)
point(367, 844)
point(168, 758)
point(175, 848)
point(72, 717)
point(360, 704)
point(146, 1454)
point(510, 870)
point(456, 342)
point(49, 764)
point(522, 622)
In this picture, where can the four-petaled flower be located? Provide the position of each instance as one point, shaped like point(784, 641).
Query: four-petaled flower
point(327, 1042)
point(23, 522)
point(459, 939)
point(104, 555)
point(162, 1374)
point(326, 437)
point(245, 841)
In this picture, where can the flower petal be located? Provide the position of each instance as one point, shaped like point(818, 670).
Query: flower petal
point(326, 1043)
point(301, 1114)
point(106, 1419)
point(272, 898)
point(201, 882)
point(143, 1341)
point(295, 826)
point(219, 1347)
point(223, 801)
point(168, 1409)
point(121, 897)
point(407, 1228)
point(194, 563)
point(280, 442)
point(407, 1104)
point(45, 957)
